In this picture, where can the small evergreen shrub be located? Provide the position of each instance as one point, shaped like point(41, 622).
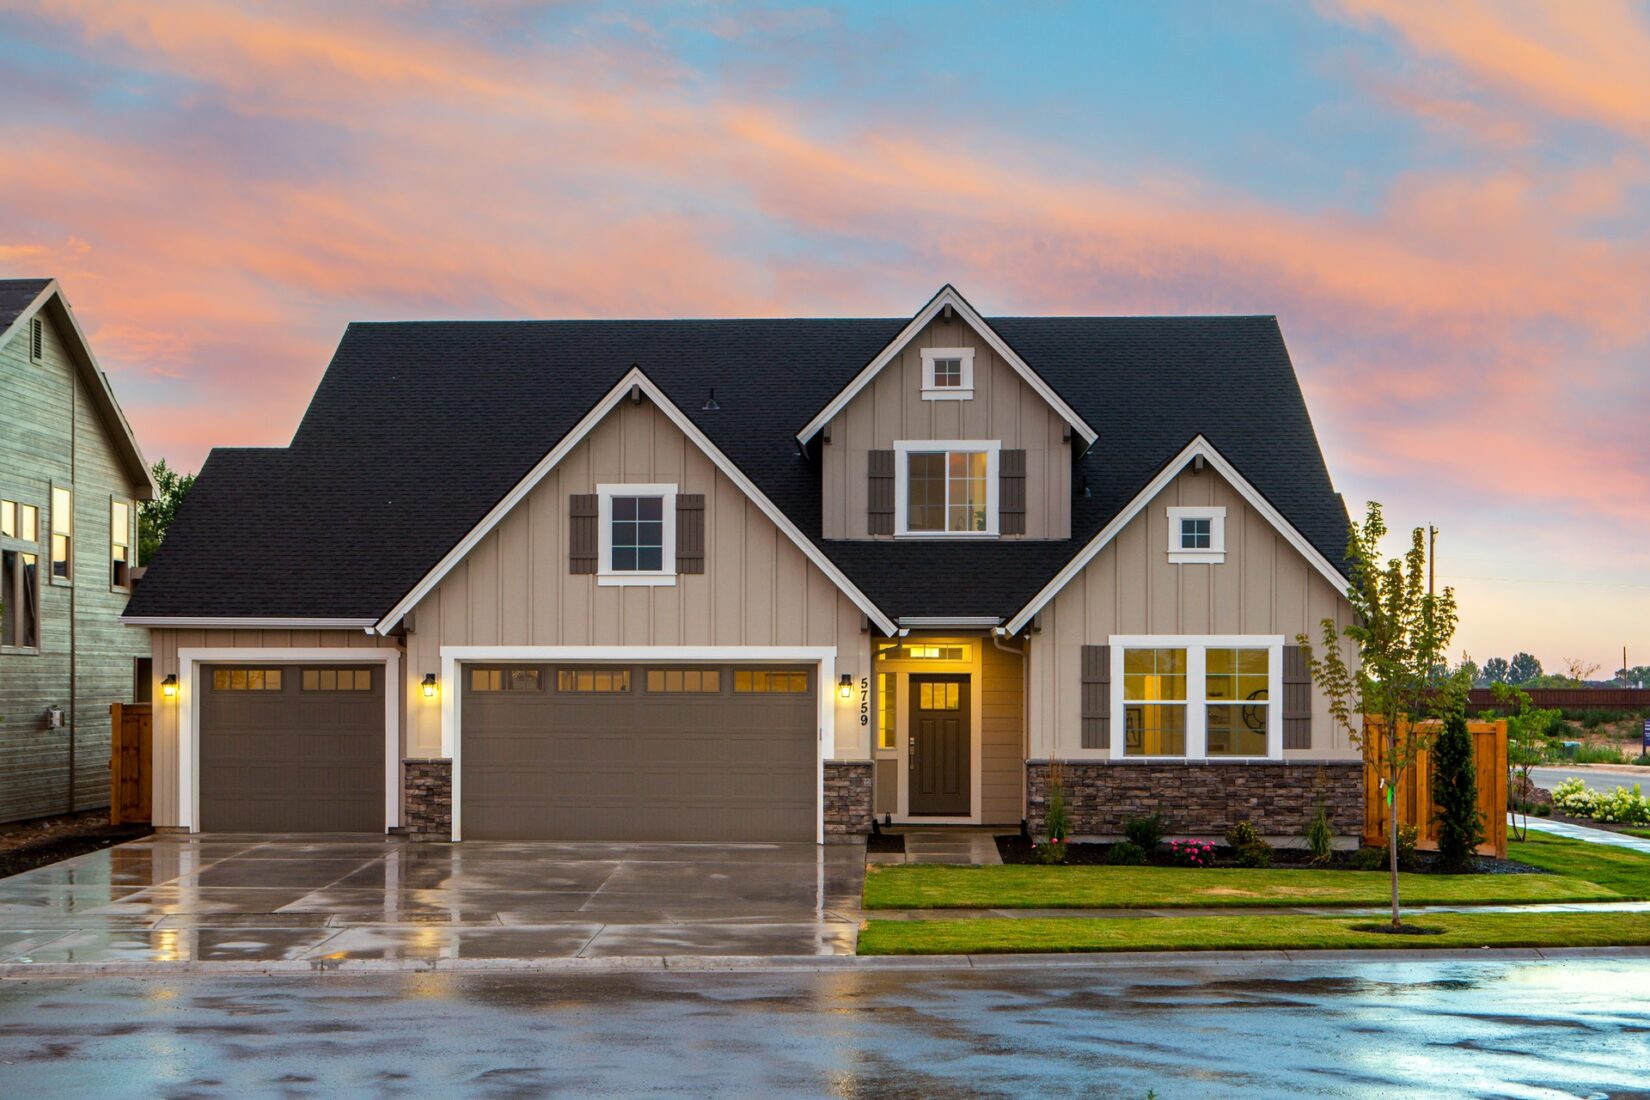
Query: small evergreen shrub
point(1146, 833)
point(1245, 840)
point(1320, 839)
point(1408, 837)
point(1366, 859)
point(1455, 795)
point(1126, 853)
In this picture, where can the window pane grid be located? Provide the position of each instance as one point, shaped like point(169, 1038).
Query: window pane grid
point(770, 681)
point(887, 707)
point(598, 681)
point(246, 679)
point(1154, 693)
point(705, 681)
point(1196, 534)
point(638, 533)
point(337, 679)
point(504, 679)
point(946, 491)
point(1237, 688)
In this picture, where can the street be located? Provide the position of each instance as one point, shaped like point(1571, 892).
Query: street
point(1202, 1028)
point(1596, 779)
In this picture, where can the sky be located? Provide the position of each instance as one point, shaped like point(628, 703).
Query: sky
point(1446, 203)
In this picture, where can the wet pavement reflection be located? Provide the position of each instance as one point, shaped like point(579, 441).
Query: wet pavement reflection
point(1204, 1029)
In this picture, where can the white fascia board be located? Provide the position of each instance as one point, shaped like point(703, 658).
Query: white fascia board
point(948, 296)
point(1198, 446)
point(637, 379)
point(920, 622)
point(211, 623)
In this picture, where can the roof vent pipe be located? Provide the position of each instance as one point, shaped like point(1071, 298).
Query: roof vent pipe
point(710, 404)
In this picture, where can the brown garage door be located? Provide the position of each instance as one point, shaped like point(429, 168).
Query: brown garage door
point(292, 748)
point(639, 752)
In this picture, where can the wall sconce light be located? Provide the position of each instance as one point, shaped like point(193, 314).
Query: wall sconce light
point(169, 686)
point(845, 687)
point(429, 685)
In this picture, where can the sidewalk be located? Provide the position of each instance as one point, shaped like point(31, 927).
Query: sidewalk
point(1591, 836)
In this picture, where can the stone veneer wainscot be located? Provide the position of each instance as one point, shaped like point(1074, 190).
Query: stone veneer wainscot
point(427, 798)
point(848, 810)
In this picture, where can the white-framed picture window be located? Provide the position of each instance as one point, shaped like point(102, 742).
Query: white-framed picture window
point(946, 488)
point(1197, 697)
point(636, 534)
point(947, 374)
point(1197, 534)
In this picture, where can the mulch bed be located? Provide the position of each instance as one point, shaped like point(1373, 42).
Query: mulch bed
point(1018, 849)
point(25, 845)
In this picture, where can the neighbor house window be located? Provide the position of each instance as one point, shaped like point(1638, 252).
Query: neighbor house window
point(949, 489)
point(637, 534)
point(1198, 697)
point(62, 533)
point(770, 682)
point(947, 374)
point(120, 544)
point(19, 521)
point(505, 679)
point(246, 679)
point(19, 600)
point(595, 680)
point(687, 681)
point(1197, 535)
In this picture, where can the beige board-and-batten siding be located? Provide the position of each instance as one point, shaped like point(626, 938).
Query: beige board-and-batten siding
point(1265, 586)
point(516, 588)
point(52, 433)
point(166, 642)
point(891, 408)
point(1002, 736)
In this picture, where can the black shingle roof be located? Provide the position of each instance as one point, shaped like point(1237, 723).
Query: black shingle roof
point(16, 295)
point(419, 428)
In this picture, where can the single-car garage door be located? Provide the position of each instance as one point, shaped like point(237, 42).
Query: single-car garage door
point(292, 748)
point(639, 752)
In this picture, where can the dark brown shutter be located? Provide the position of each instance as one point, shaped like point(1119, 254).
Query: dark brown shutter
point(880, 485)
point(583, 541)
point(1011, 492)
point(690, 532)
point(1097, 697)
point(1297, 699)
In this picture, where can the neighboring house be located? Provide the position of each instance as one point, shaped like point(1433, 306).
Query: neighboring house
point(761, 579)
point(70, 480)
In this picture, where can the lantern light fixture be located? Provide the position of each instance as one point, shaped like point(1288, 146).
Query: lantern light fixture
point(169, 686)
point(845, 687)
point(429, 685)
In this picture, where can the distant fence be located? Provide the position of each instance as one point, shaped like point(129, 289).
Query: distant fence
point(1482, 699)
point(1414, 797)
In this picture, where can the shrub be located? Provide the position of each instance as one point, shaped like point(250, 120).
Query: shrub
point(1408, 837)
point(1126, 854)
point(1057, 824)
point(1243, 834)
point(1366, 859)
point(1145, 833)
point(1455, 795)
point(1192, 853)
point(1320, 839)
point(1624, 805)
point(1597, 754)
point(1246, 841)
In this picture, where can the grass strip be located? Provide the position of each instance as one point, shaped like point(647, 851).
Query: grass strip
point(1619, 869)
point(1021, 886)
point(1246, 932)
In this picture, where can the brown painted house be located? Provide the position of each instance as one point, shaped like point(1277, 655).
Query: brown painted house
point(760, 580)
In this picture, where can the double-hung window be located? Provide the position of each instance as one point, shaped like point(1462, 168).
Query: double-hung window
point(637, 540)
point(62, 534)
point(19, 575)
point(946, 487)
point(120, 544)
point(1198, 697)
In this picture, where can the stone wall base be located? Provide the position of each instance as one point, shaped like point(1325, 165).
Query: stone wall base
point(1199, 799)
point(427, 799)
point(848, 791)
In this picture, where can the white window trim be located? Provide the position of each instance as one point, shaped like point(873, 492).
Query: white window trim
point(606, 574)
point(1196, 646)
point(963, 392)
point(904, 448)
point(1216, 552)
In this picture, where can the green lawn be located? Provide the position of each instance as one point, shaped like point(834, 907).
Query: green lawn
point(1240, 931)
point(924, 886)
point(1626, 872)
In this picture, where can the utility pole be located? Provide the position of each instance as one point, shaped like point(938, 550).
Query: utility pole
point(1432, 558)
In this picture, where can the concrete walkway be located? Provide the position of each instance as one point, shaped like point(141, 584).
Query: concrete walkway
point(955, 845)
point(1591, 836)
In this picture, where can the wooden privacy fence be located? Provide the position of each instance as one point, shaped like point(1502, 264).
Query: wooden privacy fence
point(129, 763)
point(1414, 801)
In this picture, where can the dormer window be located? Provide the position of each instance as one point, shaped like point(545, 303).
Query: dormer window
point(946, 488)
point(947, 374)
point(1197, 535)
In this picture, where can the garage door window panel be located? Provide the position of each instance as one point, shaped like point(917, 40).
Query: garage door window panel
point(506, 679)
point(769, 682)
point(337, 679)
point(593, 681)
point(691, 681)
point(246, 679)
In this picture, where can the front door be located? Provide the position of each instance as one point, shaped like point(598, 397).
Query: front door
point(940, 728)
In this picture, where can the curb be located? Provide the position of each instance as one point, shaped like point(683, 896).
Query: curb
point(633, 964)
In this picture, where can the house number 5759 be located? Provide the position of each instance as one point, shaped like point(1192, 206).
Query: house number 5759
point(864, 700)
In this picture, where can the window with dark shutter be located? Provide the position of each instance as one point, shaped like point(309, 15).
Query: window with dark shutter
point(1011, 492)
point(1096, 712)
point(690, 532)
point(583, 534)
point(1297, 699)
point(880, 495)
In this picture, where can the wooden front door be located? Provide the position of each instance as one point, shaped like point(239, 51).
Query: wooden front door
point(938, 753)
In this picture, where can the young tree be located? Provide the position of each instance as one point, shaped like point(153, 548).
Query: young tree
point(1455, 794)
point(1526, 735)
point(1468, 671)
point(1580, 669)
point(1402, 633)
point(1496, 670)
point(155, 516)
point(1523, 668)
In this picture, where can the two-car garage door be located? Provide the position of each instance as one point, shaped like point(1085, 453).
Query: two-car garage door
point(639, 752)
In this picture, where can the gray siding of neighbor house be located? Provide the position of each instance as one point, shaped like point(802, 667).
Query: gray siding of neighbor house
point(1265, 586)
point(1003, 407)
point(51, 434)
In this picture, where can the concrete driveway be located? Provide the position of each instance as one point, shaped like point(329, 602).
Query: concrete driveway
point(332, 899)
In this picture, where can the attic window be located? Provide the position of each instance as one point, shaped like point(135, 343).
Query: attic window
point(947, 374)
point(37, 339)
point(1197, 535)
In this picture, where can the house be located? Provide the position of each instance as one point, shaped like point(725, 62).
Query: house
point(760, 579)
point(70, 479)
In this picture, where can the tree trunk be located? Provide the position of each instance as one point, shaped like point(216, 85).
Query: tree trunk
point(1392, 813)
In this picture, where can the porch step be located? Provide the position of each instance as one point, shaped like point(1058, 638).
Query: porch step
point(943, 846)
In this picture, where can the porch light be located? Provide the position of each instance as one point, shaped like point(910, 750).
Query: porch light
point(169, 686)
point(845, 687)
point(429, 685)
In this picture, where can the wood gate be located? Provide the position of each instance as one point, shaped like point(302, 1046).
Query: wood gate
point(1414, 801)
point(129, 747)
